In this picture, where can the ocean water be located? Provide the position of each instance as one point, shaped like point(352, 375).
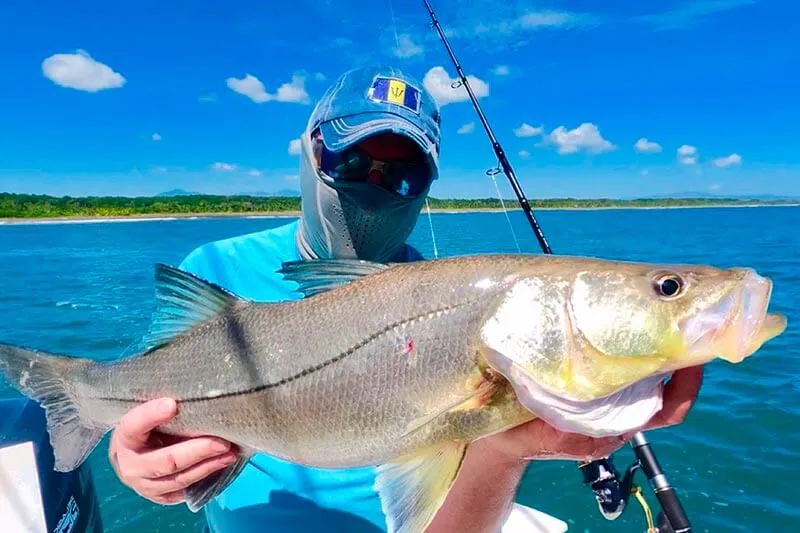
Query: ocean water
point(86, 289)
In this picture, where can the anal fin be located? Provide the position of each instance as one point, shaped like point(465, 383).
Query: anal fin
point(414, 486)
point(208, 488)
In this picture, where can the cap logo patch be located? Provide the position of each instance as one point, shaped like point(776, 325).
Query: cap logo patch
point(393, 91)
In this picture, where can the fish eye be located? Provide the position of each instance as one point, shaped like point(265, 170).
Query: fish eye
point(669, 285)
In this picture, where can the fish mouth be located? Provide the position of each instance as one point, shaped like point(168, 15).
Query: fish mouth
point(737, 326)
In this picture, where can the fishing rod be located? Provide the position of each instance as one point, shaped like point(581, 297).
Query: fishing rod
point(501, 155)
point(611, 493)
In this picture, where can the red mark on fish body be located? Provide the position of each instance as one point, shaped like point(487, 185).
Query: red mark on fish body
point(409, 346)
point(405, 347)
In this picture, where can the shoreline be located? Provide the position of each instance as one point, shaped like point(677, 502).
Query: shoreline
point(293, 214)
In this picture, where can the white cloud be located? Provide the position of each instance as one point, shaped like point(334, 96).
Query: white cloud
point(156, 137)
point(223, 167)
point(293, 91)
point(501, 70)
point(254, 172)
point(406, 47)
point(585, 137)
point(469, 127)
point(437, 81)
point(294, 147)
point(687, 14)
point(547, 19)
point(687, 155)
point(731, 160)
point(715, 187)
point(526, 130)
point(647, 147)
point(644, 172)
point(251, 87)
point(532, 21)
point(319, 76)
point(81, 72)
point(524, 154)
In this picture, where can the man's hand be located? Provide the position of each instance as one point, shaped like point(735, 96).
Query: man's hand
point(538, 440)
point(483, 493)
point(157, 466)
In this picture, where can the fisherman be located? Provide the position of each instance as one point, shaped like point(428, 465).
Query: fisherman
point(369, 155)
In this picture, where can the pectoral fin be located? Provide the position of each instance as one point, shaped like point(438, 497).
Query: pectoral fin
point(482, 393)
point(413, 487)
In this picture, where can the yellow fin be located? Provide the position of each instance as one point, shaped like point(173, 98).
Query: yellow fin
point(414, 486)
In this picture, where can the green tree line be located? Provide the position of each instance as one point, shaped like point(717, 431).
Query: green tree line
point(39, 206)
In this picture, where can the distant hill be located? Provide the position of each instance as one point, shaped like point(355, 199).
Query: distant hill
point(177, 192)
point(281, 192)
point(292, 193)
point(709, 195)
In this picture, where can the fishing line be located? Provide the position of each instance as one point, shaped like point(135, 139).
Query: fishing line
point(493, 173)
point(394, 24)
point(433, 234)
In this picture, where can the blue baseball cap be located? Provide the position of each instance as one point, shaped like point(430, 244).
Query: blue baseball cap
point(368, 101)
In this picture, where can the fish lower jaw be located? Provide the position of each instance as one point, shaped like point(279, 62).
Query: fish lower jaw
point(736, 327)
point(740, 339)
point(620, 412)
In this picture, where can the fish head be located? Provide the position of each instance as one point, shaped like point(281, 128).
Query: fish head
point(589, 329)
point(672, 317)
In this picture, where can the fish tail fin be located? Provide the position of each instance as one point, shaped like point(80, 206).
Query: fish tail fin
point(45, 378)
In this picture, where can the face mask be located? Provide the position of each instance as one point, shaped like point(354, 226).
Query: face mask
point(352, 220)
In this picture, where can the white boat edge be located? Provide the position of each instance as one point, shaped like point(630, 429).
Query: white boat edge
point(524, 519)
point(21, 507)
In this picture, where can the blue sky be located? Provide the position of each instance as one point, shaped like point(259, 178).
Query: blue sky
point(588, 99)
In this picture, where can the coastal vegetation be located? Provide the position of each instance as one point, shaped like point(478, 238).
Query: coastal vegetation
point(41, 206)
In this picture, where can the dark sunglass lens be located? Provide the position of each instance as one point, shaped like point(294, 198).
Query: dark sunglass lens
point(408, 180)
point(346, 165)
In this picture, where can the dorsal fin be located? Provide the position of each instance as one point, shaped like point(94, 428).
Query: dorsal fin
point(183, 300)
point(316, 276)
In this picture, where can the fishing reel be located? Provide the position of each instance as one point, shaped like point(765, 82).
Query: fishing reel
point(613, 494)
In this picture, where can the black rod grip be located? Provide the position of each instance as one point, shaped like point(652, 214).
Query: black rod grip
point(673, 510)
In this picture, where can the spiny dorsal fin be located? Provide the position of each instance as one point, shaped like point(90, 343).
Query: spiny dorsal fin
point(183, 300)
point(319, 275)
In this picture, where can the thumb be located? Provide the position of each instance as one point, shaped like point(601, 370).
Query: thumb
point(134, 428)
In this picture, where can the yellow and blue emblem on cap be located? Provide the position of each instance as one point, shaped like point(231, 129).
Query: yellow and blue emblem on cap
point(369, 101)
point(394, 91)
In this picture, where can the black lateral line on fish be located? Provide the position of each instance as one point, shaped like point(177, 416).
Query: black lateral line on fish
point(311, 370)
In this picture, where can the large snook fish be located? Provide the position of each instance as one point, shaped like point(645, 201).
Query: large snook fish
point(402, 366)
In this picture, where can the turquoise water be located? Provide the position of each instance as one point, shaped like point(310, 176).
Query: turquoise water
point(86, 289)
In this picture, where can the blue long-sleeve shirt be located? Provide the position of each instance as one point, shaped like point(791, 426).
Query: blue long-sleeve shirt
point(271, 494)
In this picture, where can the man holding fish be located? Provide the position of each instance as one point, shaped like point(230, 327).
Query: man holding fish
point(393, 393)
point(374, 130)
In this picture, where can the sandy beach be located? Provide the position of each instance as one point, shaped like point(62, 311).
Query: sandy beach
point(294, 214)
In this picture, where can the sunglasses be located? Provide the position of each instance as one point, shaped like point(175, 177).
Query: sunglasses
point(404, 178)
